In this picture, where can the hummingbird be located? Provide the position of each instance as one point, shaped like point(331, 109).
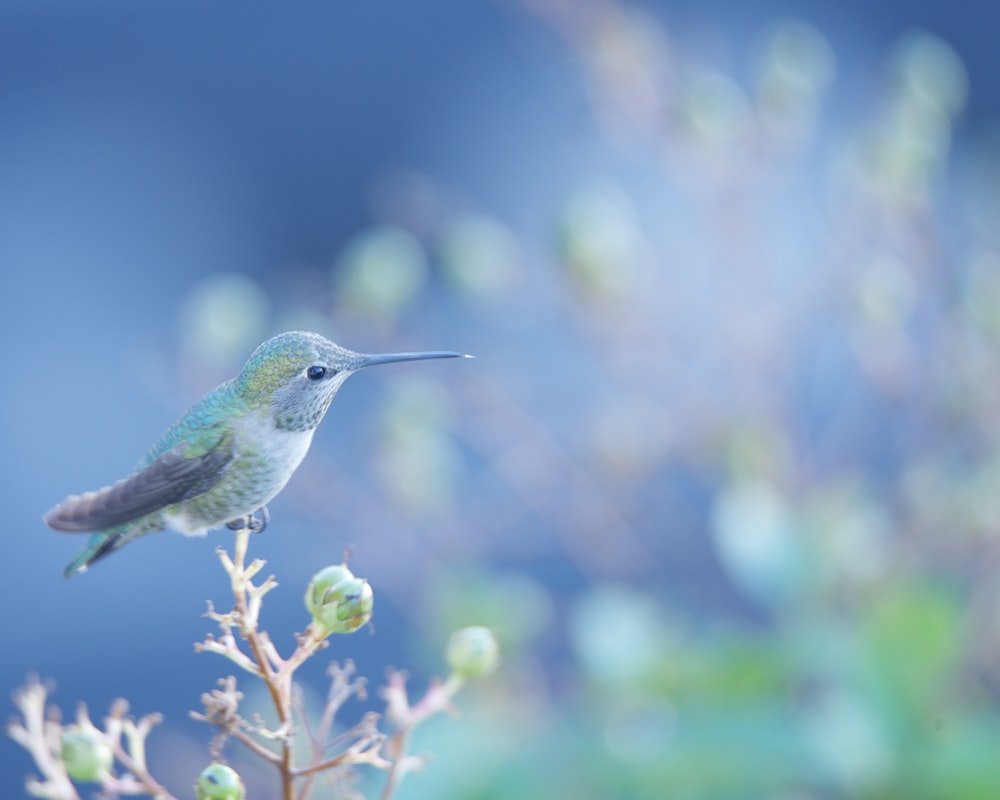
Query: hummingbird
point(229, 455)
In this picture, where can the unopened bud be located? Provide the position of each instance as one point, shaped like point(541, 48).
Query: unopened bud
point(219, 782)
point(322, 582)
point(472, 652)
point(85, 755)
point(339, 602)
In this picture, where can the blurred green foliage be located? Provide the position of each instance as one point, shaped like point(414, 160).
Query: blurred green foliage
point(862, 698)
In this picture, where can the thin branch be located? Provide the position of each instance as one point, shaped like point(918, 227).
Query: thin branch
point(248, 741)
point(227, 647)
point(140, 774)
point(366, 750)
point(38, 737)
point(247, 610)
point(436, 700)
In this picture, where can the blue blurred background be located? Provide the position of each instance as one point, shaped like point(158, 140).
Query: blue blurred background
point(723, 476)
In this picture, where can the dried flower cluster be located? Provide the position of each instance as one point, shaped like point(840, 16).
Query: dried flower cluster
point(115, 757)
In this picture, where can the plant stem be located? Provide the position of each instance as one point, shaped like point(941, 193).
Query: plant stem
point(279, 689)
point(149, 783)
point(401, 742)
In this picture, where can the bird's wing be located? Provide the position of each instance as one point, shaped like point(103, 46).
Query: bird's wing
point(168, 479)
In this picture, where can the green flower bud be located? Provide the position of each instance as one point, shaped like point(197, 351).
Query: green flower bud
point(85, 755)
point(219, 782)
point(339, 602)
point(322, 582)
point(473, 652)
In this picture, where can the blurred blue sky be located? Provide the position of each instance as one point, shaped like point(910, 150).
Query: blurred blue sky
point(144, 147)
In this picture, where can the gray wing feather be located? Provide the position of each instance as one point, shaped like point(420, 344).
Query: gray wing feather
point(170, 479)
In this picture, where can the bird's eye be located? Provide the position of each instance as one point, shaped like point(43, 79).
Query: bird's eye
point(316, 373)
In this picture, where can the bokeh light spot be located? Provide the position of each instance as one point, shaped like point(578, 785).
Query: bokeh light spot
point(381, 270)
point(479, 254)
point(223, 318)
point(614, 633)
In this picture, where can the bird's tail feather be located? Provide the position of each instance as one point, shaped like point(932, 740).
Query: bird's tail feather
point(98, 546)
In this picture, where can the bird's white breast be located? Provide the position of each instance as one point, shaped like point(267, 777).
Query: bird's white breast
point(265, 456)
point(281, 450)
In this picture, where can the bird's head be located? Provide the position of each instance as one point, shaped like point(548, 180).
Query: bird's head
point(297, 374)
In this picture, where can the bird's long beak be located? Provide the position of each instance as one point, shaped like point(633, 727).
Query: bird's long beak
point(372, 360)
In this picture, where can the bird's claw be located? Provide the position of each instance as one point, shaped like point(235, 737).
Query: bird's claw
point(252, 522)
point(258, 523)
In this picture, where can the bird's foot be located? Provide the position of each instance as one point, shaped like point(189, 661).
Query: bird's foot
point(259, 519)
point(255, 522)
